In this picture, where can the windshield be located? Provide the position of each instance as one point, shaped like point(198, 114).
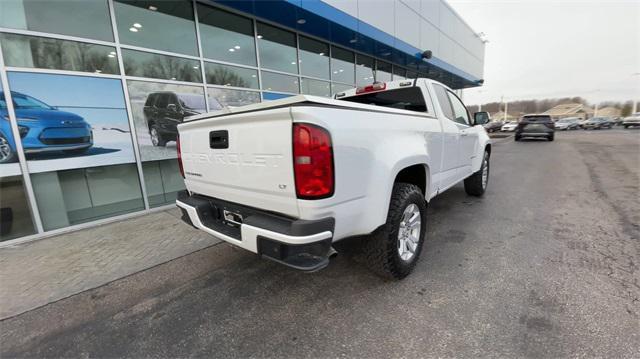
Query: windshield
point(192, 101)
point(21, 101)
point(409, 98)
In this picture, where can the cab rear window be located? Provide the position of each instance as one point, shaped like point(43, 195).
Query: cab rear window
point(409, 98)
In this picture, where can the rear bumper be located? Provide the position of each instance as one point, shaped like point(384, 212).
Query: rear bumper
point(535, 134)
point(300, 244)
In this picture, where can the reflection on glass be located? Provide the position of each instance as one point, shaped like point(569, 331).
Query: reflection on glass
point(399, 73)
point(225, 75)
point(157, 110)
point(166, 25)
point(270, 96)
point(277, 49)
point(337, 88)
point(364, 70)
point(88, 18)
point(278, 82)
point(163, 181)
point(226, 37)
point(15, 216)
point(342, 68)
point(47, 53)
point(412, 74)
point(316, 87)
point(383, 71)
point(81, 195)
point(146, 64)
point(314, 58)
point(221, 98)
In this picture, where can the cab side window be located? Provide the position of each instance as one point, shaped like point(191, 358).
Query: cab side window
point(459, 110)
point(443, 99)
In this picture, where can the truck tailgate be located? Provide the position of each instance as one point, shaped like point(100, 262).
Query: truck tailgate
point(244, 158)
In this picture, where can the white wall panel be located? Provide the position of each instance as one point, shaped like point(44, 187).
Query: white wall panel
point(378, 13)
point(445, 49)
point(348, 6)
point(425, 24)
point(447, 20)
point(413, 4)
point(429, 38)
point(430, 10)
point(407, 24)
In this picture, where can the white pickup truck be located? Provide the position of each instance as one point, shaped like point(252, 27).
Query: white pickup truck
point(287, 179)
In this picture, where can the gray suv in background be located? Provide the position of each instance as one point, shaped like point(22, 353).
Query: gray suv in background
point(535, 126)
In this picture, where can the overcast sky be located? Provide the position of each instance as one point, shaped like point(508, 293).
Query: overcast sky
point(545, 49)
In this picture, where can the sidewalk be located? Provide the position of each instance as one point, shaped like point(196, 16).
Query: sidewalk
point(36, 273)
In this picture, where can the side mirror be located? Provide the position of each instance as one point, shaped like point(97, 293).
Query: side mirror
point(480, 118)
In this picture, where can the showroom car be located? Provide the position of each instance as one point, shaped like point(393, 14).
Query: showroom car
point(163, 111)
point(42, 128)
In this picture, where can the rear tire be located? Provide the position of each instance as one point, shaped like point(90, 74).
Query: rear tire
point(382, 250)
point(517, 138)
point(551, 138)
point(476, 184)
point(156, 138)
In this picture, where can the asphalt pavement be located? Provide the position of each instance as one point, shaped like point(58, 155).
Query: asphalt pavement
point(546, 264)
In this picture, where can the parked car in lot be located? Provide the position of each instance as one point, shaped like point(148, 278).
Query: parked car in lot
point(289, 179)
point(616, 121)
point(493, 126)
point(163, 111)
point(631, 121)
point(535, 126)
point(509, 126)
point(569, 123)
point(597, 123)
point(42, 129)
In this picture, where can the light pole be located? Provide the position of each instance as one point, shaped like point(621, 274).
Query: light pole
point(506, 108)
point(635, 100)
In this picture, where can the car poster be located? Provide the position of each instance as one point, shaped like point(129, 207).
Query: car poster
point(66, 122)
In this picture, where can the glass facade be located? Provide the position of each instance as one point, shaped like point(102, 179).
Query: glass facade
point(97, 88)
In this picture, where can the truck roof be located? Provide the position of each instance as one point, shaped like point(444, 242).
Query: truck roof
point(299, 99)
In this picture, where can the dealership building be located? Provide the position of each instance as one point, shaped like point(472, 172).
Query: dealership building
point(92, 90)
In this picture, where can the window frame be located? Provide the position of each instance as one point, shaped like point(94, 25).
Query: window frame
point(466, 110)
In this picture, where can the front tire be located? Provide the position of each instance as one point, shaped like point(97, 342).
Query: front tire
point(476, 184)
point(550, 138)
point(7, 153)
point(156, 138)
point(393, 250)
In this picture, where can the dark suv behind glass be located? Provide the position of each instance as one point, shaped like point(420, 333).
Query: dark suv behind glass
point(535, 126)
point(164, 111)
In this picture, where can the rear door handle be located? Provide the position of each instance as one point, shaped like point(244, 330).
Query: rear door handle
point(219, 139)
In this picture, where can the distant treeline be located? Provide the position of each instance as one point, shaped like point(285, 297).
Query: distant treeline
point(537, 106)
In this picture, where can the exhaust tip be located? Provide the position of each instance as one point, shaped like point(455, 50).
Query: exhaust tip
point(332, 253)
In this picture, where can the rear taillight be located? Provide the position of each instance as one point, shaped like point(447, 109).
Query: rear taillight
point(179, 156)
point(312, 161)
